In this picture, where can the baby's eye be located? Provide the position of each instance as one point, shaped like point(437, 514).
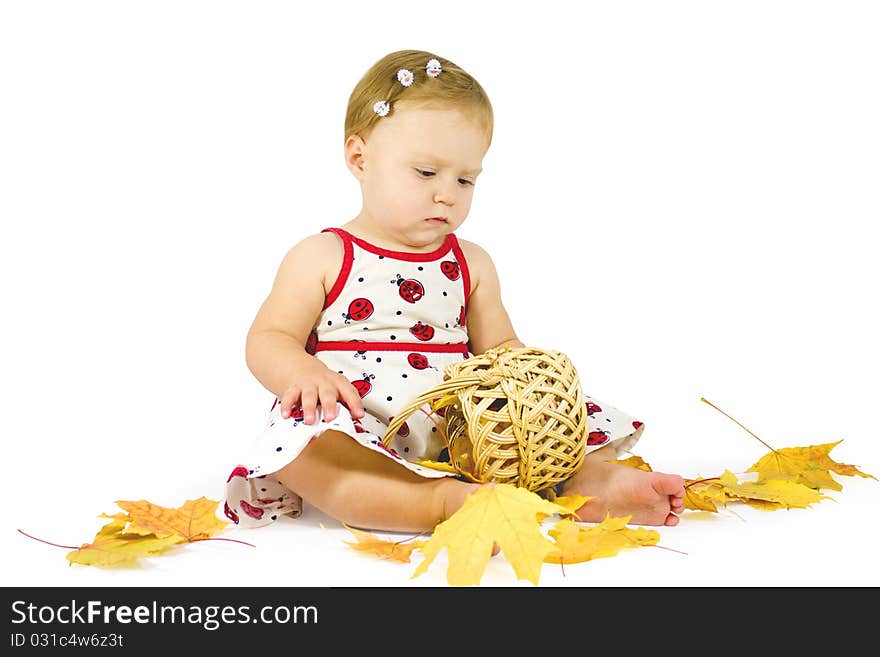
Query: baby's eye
point(428, 174)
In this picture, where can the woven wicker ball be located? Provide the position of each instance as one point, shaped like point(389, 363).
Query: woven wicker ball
point(510, 415)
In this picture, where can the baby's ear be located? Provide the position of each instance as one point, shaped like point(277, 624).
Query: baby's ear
point(355, 150)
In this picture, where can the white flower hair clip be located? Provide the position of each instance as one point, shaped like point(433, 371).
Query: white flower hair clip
point(433, 68)
point(405, 77)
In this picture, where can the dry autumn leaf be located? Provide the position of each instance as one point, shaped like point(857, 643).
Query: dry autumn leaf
point(396, 550)
point(503, 514)
point(576, 543)
point(767, 494)
point(195, 519)
point(147, 529)
point(112, 547)
point(809, 465)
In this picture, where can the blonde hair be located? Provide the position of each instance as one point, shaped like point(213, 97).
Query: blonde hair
point(454, 88)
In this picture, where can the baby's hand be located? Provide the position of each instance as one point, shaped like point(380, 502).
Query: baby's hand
point(321, 383)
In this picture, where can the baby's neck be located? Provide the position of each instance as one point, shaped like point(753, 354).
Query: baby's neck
point(361, 229)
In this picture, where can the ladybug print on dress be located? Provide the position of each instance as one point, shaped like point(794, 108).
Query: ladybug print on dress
point(252, 511)
point(403, 430)
point(239, 471)
point(460, 320)
point(410, 289)
point(381, 445)
point(358, 310)
point(636, 424)
point(229, 513)
point(597, 437)
point(423, 332)
point(450, 269)
point(593, 408)
point(418, 361)
point(364, 386)
point(296, 413)
point(312, 342)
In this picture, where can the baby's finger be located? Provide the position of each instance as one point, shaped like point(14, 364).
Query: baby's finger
point(353, 401)
point(289, 400)
point(328, 403)
point(309, 401)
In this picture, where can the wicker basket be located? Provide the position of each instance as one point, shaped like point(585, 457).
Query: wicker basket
point(514, 416)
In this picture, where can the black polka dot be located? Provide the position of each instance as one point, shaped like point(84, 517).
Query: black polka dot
point(341, 372)
point(361, 279)
point(381, 257)
point(277, 449)
point(378, 360)
point(388, 398)
point(444, 293)
point(404, 376)
point(329, 323)
point(421, 268)
point(399, 312)
point(406, 449)
point(250, 472)
point(393, 337)
point(447, 326)
point(433, 428)
point(263, 490)
point(274, 517)
point(365, 328)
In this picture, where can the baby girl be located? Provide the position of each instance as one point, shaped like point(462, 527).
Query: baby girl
point(364, 316)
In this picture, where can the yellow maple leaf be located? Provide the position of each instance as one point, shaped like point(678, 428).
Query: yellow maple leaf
point(572, 502)
point(704, 494)
point(809, 465)
point(111, 547)
point(396, 550)
point(782, 492)
point(635, 462)
point(504, 514)
point(576, 543)
point(194, 520)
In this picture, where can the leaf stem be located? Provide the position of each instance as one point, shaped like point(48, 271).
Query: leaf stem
point(69, 547)
point(700, 481)
point(703, 399)
point(231, 540)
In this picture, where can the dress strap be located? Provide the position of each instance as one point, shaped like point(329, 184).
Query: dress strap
point(347, 259)
point(465, 270)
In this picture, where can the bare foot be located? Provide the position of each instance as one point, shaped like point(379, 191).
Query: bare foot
point(651, 498)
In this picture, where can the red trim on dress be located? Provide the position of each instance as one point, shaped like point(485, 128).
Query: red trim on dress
point(465, 272)
point(399, 255)
point(347, 259)
point(369, 345)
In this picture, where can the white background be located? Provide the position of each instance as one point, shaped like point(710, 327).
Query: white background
point(682, 196)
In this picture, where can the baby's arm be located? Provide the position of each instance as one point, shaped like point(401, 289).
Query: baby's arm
point(275, 348)
point(488, 324)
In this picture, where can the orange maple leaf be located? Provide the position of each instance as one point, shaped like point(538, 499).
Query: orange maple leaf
point(194, 520)
point(146, 529)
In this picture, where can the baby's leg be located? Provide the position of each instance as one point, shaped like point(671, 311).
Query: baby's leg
point(651, 498)
point(365, 489)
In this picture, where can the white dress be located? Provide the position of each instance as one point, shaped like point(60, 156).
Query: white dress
point(391, 323)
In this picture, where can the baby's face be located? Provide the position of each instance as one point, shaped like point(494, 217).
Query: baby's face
point(418, 164)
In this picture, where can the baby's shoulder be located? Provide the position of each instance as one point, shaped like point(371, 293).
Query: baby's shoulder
point(476, 256)
point(320, 253)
